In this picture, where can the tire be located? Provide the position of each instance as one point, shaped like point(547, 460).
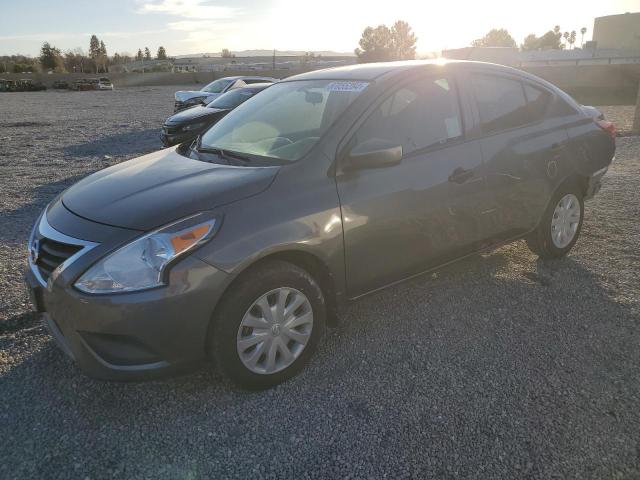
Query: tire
point(554, 241)
point(240, 323)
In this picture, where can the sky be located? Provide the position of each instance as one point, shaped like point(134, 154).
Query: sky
point(197, 26)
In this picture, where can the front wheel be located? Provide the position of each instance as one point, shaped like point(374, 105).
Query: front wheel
point(560, 225)
point(268, 325)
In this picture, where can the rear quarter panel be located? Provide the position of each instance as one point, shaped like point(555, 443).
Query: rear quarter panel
point(590, 147)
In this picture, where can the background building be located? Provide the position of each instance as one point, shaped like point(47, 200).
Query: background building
point(618, 31)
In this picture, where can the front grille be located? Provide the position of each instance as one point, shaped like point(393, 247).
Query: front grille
point(51, 254)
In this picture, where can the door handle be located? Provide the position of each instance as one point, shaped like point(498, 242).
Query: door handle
point(460, 175)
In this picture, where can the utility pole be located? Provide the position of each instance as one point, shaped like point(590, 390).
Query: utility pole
point(274, 61)
point(636, 120)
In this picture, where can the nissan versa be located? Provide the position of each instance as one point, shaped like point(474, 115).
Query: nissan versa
point(324, 187)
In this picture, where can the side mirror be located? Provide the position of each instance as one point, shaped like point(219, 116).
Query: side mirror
point(373, 153)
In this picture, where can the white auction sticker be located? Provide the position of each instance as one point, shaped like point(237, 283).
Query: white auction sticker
point(344, 86)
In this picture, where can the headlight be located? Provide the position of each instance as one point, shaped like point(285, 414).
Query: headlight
point(194, 126)
point(140, 264)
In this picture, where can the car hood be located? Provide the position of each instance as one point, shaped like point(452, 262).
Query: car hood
point(184, 95)
point(161, 187)
point(193, 113)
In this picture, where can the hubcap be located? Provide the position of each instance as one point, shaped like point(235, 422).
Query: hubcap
point(275, 330)
point(565, 220)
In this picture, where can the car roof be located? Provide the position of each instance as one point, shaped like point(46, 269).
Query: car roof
point(242, 77)
point(372, 71)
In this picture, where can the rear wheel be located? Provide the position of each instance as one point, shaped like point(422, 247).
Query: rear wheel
point(268, 325)
point(560, 226)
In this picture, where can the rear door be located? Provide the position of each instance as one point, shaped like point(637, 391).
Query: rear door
point(401, 220)
point(524, 149)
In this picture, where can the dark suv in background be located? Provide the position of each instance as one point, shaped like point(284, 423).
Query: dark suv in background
point(186, 125)
point(325, 187)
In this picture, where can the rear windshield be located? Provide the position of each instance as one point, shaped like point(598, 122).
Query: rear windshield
point(286, 120)
point(232, 99)
point(217, 86)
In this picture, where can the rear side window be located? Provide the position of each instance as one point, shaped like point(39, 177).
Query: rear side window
point(537, 101)
point(501, 102)
point(422, 114)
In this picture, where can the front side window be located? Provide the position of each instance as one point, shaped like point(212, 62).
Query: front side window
point(285, 121)
point(217, 86)
point(537, 101)
point(501, 102)
point(422, 114)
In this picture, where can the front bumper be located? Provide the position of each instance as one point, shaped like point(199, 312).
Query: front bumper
point(131, 336)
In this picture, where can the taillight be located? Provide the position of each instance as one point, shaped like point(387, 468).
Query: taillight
point(608, 127)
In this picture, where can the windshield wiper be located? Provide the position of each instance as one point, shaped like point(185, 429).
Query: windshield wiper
point(224, 154)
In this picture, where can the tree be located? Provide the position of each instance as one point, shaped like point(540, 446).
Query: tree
point(382, 44)
point(226, 53)
point(147, 53)
point(572, 37)
point(565, 35)
point(50, 57)
point(102, 59)
point(75, 60)
point(162, 53)
point(404, 41)
point(583, 30)
point(531, 42)
point(376, 45)
point(139, 55)
point(94, 47)
point(550, 40)
point(495, 38)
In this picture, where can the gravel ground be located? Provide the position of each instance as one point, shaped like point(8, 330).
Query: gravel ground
point(622, 116)
point(498, 367)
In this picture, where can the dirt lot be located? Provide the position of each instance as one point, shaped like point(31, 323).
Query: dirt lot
point(498, 367)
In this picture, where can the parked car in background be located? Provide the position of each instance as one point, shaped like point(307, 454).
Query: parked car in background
point(189, 98)
point(104, 84)
point(82, 84)
point(29, 85)
point(187, 124)
point(6, 85)
point(60, 85)
point(325, 187)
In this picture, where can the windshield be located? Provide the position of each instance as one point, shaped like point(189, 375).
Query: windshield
point(232, 99)
point(285, 121)
point(217, 86)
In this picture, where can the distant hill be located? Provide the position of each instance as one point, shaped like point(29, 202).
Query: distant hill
point(269, 53)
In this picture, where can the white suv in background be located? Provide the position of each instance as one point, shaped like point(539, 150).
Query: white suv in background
point(104, 84)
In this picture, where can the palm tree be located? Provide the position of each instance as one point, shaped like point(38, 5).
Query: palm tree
point(572, 38)
point(583, 30)
point(565, 35)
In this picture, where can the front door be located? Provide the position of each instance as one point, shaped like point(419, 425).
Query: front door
point(401, 220)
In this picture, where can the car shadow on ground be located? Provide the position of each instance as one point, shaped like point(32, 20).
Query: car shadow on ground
point(538, 299)
point(492, 344)
point(131, 143)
